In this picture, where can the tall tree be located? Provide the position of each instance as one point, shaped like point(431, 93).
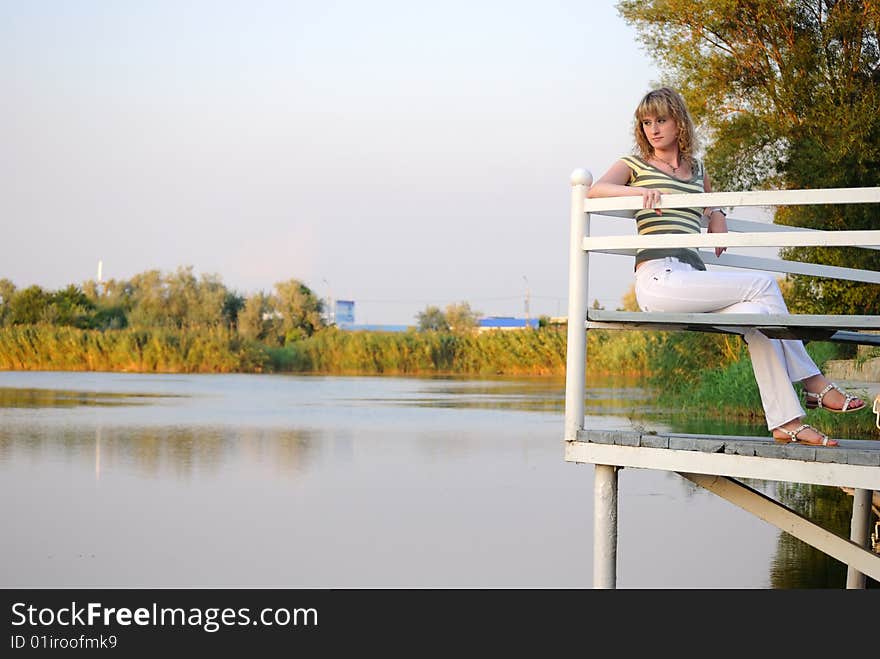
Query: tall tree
point(461, 318)
point(300, 309)
point(30, 306)
point(149, 301)
point(254, 318)
point(7, 291)
point(71, 307)
point(112, 302)
point(787, 93)
point(432, 320)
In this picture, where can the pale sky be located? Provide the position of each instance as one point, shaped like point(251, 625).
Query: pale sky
point(395, 153)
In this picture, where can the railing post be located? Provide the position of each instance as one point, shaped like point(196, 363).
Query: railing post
point(859, 532)
point(575, 361)
point(605, 476)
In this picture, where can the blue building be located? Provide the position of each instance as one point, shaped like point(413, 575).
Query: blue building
point(343, 314)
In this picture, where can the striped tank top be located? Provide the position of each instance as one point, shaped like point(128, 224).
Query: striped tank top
point(673, 220)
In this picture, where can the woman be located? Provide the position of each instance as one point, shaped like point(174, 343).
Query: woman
point(676, 280)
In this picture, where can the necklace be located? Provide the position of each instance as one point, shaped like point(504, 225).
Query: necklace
point(668, 164)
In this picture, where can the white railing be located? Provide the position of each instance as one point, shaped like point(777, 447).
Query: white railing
point(742, 233)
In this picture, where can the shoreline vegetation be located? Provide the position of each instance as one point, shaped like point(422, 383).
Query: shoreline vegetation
point(688, 370)
point(178, 323)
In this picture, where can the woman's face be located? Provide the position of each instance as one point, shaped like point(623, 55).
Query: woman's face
point(660, 131)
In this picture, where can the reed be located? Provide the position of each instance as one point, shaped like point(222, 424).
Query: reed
point(729, 390)
point(704, 374)
point(47, 347)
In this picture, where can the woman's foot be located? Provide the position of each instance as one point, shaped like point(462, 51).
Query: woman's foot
point(822, 393)
point(802, 433)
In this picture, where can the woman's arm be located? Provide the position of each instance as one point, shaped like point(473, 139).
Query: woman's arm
point(717, 219)
point(614, 184)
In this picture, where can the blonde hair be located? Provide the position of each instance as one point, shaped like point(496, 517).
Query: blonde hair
point(666, 102)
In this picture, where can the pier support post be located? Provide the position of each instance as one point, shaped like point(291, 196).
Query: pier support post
point(859, 532)
point(605, 527)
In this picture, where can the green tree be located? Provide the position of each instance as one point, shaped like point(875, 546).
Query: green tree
point(7, 291)
point(29, 306)
point(788, 94)
point(194, 302)
point(112, 303)
point(148, 297)
point(71, 307)
point(252, 319)
point(176, 300)
point(233, 303)
point(432, 320)
point(300, 309)
point(461, 318)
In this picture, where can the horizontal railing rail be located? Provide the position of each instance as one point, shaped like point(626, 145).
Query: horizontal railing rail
point(777, 264)
point(830, 196)
point(750, 239)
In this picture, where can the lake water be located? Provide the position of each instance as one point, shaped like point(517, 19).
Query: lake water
point(131, 480)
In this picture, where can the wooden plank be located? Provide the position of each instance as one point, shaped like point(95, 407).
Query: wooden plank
point(818, 321)
point(727, 260)
point(850, 451)
point(795, 326)
point(749, 198)
point(726, 464)
point(771, 511)
point(802, 334)
point(733, 223)
point(856, 338)
point(743, 226)
point(749, 239)
point(790, 267)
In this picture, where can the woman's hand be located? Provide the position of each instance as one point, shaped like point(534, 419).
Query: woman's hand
point(651, 199)
point(615, 183)
point(718, 224)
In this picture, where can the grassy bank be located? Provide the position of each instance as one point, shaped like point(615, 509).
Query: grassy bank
point(729, 390)
point(690, 371)
point(330, 351)
point(53, 348)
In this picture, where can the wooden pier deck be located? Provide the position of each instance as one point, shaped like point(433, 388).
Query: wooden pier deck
point(717, 462)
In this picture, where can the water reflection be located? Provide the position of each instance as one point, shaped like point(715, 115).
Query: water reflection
point(160, 452)
point(621, 397)
point(799, 565)
point(358, 481)
point(12, 397)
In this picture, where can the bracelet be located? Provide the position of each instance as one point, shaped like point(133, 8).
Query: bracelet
point(712, 210)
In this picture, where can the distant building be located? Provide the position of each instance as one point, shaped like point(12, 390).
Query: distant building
point(343, 314)
point(506, 323)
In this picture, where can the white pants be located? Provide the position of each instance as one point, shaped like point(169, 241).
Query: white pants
point(668, 285)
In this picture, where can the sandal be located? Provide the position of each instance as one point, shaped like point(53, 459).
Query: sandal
point(814, 401)
point(793, 434)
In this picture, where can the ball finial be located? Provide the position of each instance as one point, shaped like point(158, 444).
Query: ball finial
point(581, 177)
